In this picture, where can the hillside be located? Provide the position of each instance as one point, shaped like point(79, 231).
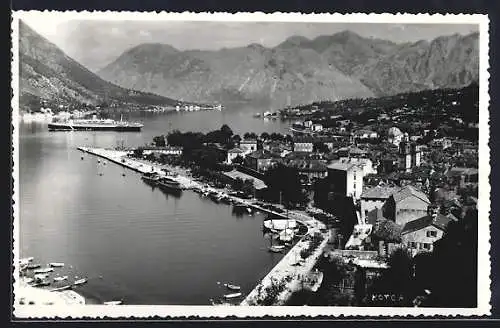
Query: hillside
point(276, 76)
point(299, 70)
point(46, 73)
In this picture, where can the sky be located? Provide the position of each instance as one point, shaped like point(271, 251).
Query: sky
point(96, 43)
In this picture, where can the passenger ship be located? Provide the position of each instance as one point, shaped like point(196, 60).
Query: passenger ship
point(95, 124)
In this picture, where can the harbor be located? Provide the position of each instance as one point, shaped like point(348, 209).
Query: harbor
point(291, 270)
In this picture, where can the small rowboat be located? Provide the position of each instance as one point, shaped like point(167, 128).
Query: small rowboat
point(80, 282)
point(60, 278)
point(61, 288)
point(232, 287)
point(233, 295)
point(33, 266)
point(41, 276)
point(43, 270)
point(56, 264)
point(113, 303)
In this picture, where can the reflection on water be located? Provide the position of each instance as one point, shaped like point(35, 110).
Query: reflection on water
point(131, 240)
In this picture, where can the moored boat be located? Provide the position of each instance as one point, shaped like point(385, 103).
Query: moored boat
point(277, 248)
point(80, 282)
point(56, 264)
point(168, 184)
point(60, 278)
point(44, 270)
point(232, 287)
point(113, 302)
point(150, 178)
point(233, 295)
point(33, 266)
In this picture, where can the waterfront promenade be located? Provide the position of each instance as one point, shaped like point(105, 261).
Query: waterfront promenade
point(286, 271)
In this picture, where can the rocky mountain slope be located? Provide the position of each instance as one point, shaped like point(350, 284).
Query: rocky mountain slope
point(299, 70)
point(46, 73)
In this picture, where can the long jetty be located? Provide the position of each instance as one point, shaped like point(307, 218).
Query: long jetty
point(286, 270)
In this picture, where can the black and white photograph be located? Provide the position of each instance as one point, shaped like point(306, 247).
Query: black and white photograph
point(250, 164)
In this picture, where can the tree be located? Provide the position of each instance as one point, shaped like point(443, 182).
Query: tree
point(250, 135)
point(138, 152)
point(236, 138)
point(387, 230)
point(454, 265)
point(285, 181)
point(159, 141)
point(238, 160)
point(248, 187)
point(276, 136)
point(264, 136)
point(397, 280)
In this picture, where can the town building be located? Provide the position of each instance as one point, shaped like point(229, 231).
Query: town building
point(441, 143)
point(303, 144)
point(375, 198)
point(248, 145)
point(312, 168)
point(405, 205)
point(365, 163)
point(394, 136)
point(420, 235)
point(317, 128)
point(365, 134)
point(410, 155)
point(346, 179)
point(233, 175)
point(462, 176)
point(233, 153)
point(259, 160)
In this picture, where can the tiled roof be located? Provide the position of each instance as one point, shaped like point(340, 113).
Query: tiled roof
point(258, 184)
point(308, 165)
point(235, 151)
point(440, 221)
point(260, 154)
point(342, 166)
point(380, 192)
point(408, 191)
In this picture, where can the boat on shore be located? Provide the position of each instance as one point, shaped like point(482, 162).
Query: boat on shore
point(277, 248)
point(26, 260)
point(113, 303)
point(233, 295)
point(58, 289)
point(95, 124)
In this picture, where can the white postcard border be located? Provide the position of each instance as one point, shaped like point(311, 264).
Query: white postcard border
point(179, 312)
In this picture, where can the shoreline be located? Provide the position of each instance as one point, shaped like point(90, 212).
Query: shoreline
point(283, 268)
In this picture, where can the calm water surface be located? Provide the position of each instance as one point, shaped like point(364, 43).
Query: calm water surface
point(134, 242)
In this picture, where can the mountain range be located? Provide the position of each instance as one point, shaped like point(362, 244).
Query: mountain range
point(299, 70)
point(47, 73)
